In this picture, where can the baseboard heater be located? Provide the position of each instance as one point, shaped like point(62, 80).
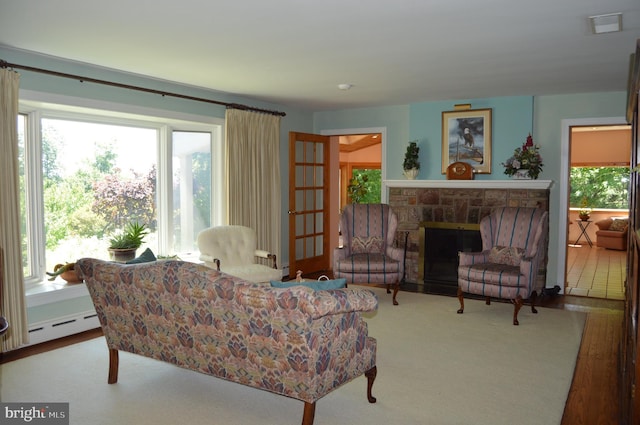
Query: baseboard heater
point(62, 326)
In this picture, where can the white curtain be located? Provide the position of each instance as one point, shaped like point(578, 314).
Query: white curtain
point(253, 170)
point(13, 306)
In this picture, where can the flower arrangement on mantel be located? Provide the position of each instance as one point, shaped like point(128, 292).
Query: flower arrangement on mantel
point(527, 158)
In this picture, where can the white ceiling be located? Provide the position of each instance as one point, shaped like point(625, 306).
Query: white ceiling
point(296, 52)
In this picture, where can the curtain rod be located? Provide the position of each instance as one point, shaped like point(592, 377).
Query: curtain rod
point(5, 64)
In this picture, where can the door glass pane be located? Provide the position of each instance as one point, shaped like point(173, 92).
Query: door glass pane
point(191, 188)
point(319, 222)
point(299, 152)
point(308, 246)
point(299, 249)
point(299, 200)
point(319, 176)
point(308, 180)
point(308, 203)
point(319, 153)
point(299, 175)
point(309, 228)
point(309, 152)
point(319, 199)
point(299, 225)
point(319, 241)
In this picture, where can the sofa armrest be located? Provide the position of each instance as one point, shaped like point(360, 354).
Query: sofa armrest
point(343, 301)
point(469, 258)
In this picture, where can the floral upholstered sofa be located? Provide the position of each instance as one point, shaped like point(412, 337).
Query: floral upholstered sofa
point(294, 341)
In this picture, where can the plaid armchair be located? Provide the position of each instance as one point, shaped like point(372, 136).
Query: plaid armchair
point(514, 249)
point(368, 254)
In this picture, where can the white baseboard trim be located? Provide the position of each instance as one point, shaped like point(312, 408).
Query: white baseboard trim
point(62, 326)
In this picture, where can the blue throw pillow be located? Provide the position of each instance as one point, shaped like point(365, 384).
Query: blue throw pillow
point(316, 285)
point(146, 257)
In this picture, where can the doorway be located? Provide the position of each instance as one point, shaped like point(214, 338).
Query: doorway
point(360, 178)
point(335, 176)
point(597, 164)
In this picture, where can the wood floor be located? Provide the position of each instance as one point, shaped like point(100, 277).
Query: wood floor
point(594, 397)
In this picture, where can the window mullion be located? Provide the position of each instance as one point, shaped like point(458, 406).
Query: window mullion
point(34, 198)
point(164, 191)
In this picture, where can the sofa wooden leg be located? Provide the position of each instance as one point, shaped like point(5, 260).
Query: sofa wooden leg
point(309, 413)
point(113, 366)
point(517, 304)
point(534, 298)
point(371, 376)
point(461, 299)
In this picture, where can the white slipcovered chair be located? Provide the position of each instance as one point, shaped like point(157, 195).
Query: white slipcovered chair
point(233, 250)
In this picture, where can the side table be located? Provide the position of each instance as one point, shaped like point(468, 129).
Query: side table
point(584, 225)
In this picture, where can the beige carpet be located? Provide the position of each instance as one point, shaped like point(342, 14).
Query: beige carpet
point(434, 367)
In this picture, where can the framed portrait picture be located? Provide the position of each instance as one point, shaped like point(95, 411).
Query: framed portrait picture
point(466, 137)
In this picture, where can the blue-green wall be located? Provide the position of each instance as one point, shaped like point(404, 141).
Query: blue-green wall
point(511, 121)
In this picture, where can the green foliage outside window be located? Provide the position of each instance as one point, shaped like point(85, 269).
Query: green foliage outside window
point(365, 186)
point(603, 187)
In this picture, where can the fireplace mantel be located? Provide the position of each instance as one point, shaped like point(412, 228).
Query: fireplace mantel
point(470, 184)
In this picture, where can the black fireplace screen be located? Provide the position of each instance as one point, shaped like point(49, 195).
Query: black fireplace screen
point(442, 242)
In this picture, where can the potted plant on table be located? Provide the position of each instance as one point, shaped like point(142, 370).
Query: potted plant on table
point(411, 163)
point(585, 211)
point(124, 245)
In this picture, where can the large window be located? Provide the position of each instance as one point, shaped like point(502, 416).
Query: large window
point(85, 174)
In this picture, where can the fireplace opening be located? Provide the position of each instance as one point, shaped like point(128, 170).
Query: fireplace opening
point(438, 258)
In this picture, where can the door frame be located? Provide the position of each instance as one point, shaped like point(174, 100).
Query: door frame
point(563, 204)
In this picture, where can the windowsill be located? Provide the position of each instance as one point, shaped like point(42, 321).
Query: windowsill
point(58, 290)
point(51, 292)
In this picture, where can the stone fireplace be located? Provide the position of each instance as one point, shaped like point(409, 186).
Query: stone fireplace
point(452, 203)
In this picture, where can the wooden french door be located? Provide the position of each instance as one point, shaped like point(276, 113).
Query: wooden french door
point(309, 203)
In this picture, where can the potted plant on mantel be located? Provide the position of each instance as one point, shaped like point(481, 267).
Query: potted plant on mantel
point(123, 246)
point(411, 164)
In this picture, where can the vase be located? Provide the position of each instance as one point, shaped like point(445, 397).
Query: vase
point(584, 217)
point(411, 174)
point(521, 175)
